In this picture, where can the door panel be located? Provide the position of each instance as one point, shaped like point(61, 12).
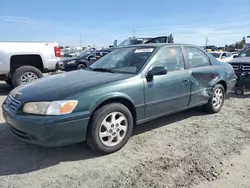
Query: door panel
point(167, 93)
point(203, 75)
point(202, 80)
point(170, 92)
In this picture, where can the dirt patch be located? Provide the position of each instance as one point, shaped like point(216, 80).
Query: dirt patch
point(181, 150)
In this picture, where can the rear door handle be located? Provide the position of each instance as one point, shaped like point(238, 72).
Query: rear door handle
point(185, 81)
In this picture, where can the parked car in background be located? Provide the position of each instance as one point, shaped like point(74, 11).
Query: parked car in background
point(22, 62)
point(84, 59)
point(137, 40)
point(222, 56)
point(128, 86)
point(241, 65)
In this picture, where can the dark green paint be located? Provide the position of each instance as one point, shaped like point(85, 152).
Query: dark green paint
point(151, 98)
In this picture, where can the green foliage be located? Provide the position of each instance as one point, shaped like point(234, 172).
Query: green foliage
point(237, 45)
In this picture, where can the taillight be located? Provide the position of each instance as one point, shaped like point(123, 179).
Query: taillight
point(57, 51)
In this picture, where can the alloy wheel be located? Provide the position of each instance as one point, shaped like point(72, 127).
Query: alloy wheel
point(113, 129)
point(218, 98)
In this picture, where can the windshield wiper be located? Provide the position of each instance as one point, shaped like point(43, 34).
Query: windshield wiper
point(102, 70)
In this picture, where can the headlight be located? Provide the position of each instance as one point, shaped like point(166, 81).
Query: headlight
point(71, 62)
point(50, 108)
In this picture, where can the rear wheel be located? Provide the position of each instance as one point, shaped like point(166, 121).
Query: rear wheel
point(25, 74)
point(110, 128)
point(216, 101)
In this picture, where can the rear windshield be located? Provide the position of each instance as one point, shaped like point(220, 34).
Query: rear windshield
point(216, 55)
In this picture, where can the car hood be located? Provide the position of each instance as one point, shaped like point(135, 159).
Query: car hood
point(240, 60)
point(61, 86)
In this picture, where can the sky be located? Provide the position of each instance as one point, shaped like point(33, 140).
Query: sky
point(100, 22)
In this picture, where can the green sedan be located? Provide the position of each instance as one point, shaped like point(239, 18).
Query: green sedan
point(129, 86)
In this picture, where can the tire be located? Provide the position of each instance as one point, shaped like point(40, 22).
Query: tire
point(32, 73)
point(100, 145)
point(239, 91)
point(81, 66)
point(211, 107)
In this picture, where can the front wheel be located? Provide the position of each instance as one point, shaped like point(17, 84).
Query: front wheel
point(239, 91)
point(81, 66)
point(217, 99)
point(110, 128)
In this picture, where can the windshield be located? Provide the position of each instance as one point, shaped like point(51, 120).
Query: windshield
point(129, 42)
point(216, 55)
point(124, 60)
point(245, 53)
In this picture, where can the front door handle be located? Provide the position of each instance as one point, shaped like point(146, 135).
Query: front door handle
point(185, 81)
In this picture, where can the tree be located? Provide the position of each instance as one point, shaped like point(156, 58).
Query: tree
point(83, 48)
point(237, 45)
point(170, 39)
point(242, 43)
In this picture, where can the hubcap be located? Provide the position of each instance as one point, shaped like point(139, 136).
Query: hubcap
point(28, 77)
point(113, 129)
point(81, 66)
point(217, 98)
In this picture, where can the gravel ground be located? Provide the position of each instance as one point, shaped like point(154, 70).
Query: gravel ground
point(188, 149)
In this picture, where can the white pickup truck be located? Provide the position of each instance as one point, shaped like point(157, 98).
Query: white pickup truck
point(22, 62)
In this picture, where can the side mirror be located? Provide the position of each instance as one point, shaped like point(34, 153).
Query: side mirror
point(157, 71)
point(234, 56)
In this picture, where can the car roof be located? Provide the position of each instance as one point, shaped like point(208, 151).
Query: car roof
point(157, 45)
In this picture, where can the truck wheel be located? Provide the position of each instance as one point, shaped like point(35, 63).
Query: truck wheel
point(216, 101)
point(110, 128)
point(25, 74)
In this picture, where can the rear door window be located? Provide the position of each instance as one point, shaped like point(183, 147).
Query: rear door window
point(196, 58)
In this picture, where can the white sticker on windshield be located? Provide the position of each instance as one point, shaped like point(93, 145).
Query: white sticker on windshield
point(144, 50)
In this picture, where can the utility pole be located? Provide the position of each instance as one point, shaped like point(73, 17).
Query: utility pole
point(133, 32)
point(206, 42)
point(81, 41)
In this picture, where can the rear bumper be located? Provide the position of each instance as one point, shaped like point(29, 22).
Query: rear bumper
point(46, 131)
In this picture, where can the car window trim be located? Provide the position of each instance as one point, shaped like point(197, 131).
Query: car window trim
point(186, 58)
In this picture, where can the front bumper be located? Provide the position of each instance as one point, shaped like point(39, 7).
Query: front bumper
point(46, 131)
point(231, 84)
